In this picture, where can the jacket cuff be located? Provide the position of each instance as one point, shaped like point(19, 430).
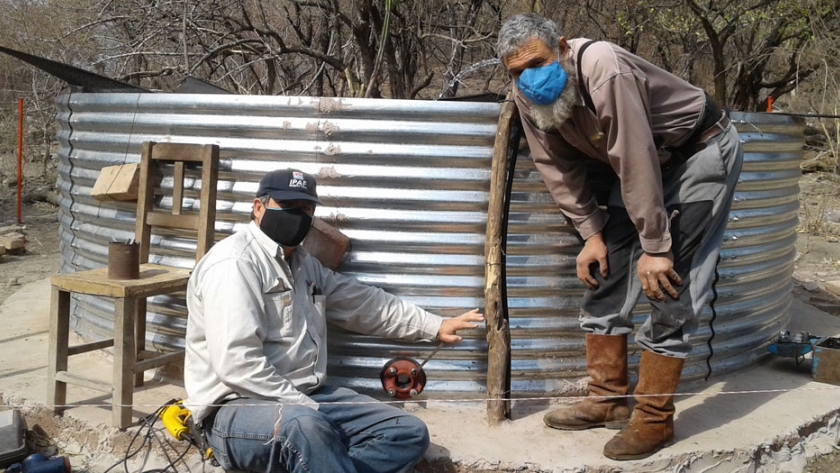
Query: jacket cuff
point(431, 326)
point(658, 245)
point(307, 401)
point(592, 224)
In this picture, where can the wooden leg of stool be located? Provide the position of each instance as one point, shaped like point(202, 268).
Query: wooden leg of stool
point(59, 342)
point(124, 360)
point(139, 335)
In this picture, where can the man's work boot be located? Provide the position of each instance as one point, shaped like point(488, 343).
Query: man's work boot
point(652, 425)
point(606, 364)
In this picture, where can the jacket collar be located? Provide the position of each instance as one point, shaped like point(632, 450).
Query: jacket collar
point(267, 244)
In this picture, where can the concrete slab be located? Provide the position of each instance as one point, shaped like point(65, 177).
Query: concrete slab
point(770, 417)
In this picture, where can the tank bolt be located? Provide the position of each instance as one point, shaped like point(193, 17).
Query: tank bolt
point(413, 392)
point(392, 371)
point(392, 393)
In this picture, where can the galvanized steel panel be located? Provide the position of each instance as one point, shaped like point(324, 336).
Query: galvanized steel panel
point(408, 182)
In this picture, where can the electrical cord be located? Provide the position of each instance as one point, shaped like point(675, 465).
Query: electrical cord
point(514, 140)
point(149, 434)
point(128, 453)
point(712, 320)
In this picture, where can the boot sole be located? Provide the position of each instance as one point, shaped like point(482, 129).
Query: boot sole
point(615, 425)
point(639, 456)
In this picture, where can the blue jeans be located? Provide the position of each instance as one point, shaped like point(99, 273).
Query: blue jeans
point(366, 437)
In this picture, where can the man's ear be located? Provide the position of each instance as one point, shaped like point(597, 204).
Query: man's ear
point(563, 46)
point(258, 210)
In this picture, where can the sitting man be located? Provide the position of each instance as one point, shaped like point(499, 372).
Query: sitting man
point(256, 349)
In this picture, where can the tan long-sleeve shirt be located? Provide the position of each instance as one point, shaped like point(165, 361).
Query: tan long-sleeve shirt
point(640, 110)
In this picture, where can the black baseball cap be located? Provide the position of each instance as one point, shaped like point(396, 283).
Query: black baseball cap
point(288, 184)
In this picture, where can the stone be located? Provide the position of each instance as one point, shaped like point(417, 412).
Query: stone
point(833, 287)
point(12, 229)
point(13, 242)
point(811, 287)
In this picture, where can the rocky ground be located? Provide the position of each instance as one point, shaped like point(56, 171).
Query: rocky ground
point(817, 261)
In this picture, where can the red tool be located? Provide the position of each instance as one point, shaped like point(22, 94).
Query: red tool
point(404, 378)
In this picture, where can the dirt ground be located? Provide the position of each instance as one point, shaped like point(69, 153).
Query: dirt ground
point(817, 259)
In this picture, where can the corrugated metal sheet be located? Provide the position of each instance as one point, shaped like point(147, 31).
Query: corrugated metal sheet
point(408, 181)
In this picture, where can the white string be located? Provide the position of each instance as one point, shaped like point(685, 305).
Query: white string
point(278, 413)
point(461, 401)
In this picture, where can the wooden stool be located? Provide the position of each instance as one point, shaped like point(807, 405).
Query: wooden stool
point(130, 357)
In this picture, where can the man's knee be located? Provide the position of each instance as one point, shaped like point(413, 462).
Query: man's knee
point(311, 424)
point(415, 433)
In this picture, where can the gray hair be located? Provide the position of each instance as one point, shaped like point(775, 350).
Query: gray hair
point(265, 199)
point(521, 28)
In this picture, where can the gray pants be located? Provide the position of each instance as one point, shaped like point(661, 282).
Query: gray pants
point(698, 196)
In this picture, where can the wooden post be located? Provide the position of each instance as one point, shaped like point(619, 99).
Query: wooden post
point(20, 161)
point(498, 328)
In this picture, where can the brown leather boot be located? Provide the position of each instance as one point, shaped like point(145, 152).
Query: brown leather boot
point(606, 364)
point(652, 425)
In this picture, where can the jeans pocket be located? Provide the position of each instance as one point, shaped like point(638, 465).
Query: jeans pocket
point(707, 165)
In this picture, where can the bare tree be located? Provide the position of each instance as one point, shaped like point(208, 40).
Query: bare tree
point(370, 48)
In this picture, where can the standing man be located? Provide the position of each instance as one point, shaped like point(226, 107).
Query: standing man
point(256, 345)
point(677, 159)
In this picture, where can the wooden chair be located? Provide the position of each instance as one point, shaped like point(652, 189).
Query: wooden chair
point(131, 358)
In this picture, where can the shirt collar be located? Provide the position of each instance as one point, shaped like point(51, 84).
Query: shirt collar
point(267, 244)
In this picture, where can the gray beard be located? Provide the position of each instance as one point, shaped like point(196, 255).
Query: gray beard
point(551, 116)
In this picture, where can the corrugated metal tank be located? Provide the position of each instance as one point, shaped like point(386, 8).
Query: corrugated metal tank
point(408, 182)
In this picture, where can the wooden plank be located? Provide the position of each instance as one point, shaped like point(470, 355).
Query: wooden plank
point(143, 232)
point(59, 340)
point(83, 381)
point(190, 152)
point(86, 347)
point(117, 183)
point(184, 222)
point(139, 336)
point(207, 212)
point(124, 360)
point(158, 360)
point(178, 188)
point(154, 279)
point(13, 242)
point(498, 329)
point(106, 176)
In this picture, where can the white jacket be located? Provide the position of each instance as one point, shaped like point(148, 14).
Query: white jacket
point(254, 329)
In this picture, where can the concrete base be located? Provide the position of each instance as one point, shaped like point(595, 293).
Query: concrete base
point(769, 417)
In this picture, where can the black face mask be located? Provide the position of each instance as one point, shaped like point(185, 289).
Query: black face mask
point(287, 227)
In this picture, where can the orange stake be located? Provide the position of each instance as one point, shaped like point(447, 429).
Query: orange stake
point(20, 159)
point(769, 104)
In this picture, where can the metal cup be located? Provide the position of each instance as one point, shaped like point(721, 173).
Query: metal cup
point(123, 260)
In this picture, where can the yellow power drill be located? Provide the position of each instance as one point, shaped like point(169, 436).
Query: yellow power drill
point(175, 417)
point(177, 420)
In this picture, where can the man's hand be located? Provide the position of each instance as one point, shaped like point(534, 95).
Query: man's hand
point(656, 272)
point(447, 332)
point(594, 251)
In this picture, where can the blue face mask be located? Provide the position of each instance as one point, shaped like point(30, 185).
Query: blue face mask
point(542, 85)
